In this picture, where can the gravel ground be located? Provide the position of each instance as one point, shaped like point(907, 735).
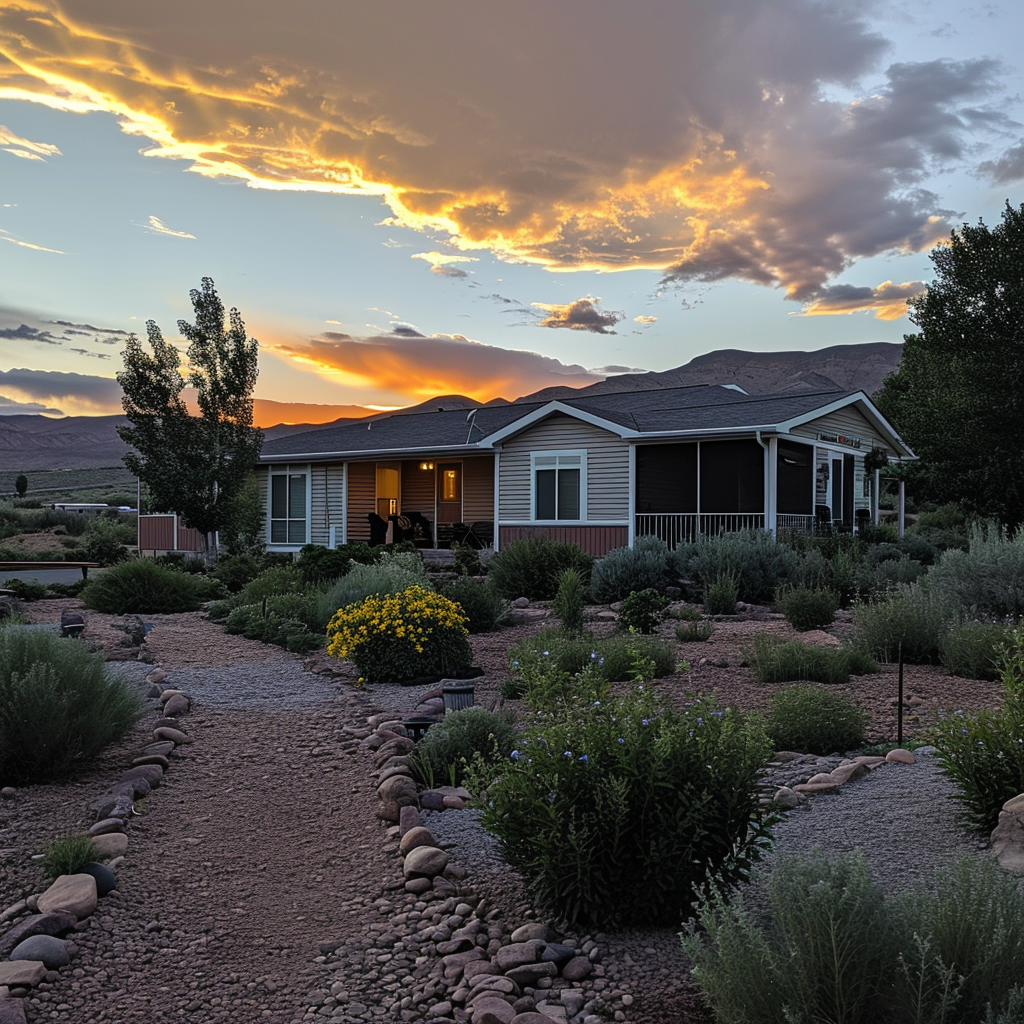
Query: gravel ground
point(262, 844)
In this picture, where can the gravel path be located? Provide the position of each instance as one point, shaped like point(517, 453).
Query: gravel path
point(262, 845)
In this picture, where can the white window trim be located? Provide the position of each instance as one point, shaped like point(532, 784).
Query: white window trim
point(285, 469)
point(581, 454)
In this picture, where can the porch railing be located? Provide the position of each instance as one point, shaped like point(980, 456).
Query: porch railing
point(676, 528)
point(804, 525)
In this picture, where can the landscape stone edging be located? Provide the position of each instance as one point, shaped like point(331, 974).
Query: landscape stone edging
point(76, 897)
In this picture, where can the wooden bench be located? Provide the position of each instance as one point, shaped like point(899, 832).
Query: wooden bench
point(8, 567)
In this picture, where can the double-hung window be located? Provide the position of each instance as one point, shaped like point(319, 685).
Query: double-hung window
point(289, 518)
point(559, 485)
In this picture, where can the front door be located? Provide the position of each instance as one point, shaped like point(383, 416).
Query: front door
point(449, 492)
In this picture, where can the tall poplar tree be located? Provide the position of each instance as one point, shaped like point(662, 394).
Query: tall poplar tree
point(193, 465)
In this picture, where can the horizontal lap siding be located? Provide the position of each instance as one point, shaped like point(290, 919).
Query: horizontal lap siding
point(318, 525)
point(595, 540)
point(478, 489)
point(844, 421)
point(362, 498)
point(417, 489)
point(607, 467)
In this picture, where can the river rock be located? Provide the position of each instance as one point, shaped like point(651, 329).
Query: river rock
point(168, 732)
point(394, 794)
point(70, 894)
point(22, 972)
point(425, 861)
point(38, 924)
point(110, 845)
point(177, 705)
point(415, 837)
point(1008, 836)
point(50, 951)
point(106, 880)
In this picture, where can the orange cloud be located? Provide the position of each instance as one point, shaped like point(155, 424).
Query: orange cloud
point(415, 367)
point(888, 301)
point(694, 139)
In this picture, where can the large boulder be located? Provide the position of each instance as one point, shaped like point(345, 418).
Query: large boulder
point(70, 894)
point(395, 793)
point(50, 951)
point(1008, 836)
point(37, 924)
point(425, 862)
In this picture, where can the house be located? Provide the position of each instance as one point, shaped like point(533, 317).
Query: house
point(597, 470)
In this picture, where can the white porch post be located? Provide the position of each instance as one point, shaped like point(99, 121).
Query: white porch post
point(874, 495)
point(344, 503)
point(631, 503)
point(771, 485)
point(902, 508)
point(497, 497)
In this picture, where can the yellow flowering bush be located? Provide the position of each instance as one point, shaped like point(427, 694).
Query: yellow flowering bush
point(400, 636)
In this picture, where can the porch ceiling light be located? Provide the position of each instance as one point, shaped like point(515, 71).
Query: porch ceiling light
point(426, 465)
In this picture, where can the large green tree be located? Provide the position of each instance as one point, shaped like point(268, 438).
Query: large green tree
point(958, 395)
point(193, 464)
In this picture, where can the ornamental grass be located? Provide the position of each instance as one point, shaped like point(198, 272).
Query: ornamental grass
point(392, 637)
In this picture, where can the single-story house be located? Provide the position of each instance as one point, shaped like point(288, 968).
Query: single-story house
point(597, 470)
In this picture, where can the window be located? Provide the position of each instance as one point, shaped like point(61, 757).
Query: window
point(450, 490)
point(288, 497)
point(559, 485)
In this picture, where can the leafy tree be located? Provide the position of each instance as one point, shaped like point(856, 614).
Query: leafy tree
point(958, 395)
point(21, 485)
point(193, 465)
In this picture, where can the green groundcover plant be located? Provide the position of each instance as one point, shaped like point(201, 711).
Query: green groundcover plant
point(59, 705)
point(835, 949)
point(814, 720)
point(983, 752)
point(142, 586)
point(782, 661)
point(613, 809)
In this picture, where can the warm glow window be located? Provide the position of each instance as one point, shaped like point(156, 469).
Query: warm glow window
point(450, 489)
point(288, 508)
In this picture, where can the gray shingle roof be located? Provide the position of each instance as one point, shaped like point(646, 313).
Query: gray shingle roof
point(706, 408)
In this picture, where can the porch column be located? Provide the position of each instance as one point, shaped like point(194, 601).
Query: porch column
point(497, 498)
point(771, 485)
point(344, 503)
point(631, 503)
point(902, 508)
point(874, 495)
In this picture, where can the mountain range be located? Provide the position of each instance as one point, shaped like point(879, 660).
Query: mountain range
point(34, 442)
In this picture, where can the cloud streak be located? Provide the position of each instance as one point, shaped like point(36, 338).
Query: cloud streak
point(6, 236)
point(699, 140)
point(25, 148)
point(157, 227)
point(415, 367)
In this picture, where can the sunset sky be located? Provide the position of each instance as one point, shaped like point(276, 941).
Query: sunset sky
point(407, 199)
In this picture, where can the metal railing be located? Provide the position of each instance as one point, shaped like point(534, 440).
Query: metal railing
point(676, 528)
point(794, 524)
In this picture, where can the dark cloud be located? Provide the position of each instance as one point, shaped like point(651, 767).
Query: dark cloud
point(448, 272)
point(76, 393)
point(89, 352)
point(581, 315)
point(888, 301)
point(90, 328)
point(406, 331)
point(608, 371)
point(1008, 168)
point(9, 407)
point(26, 333)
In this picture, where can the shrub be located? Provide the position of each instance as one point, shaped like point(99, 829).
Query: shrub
point(291, 621)
point(874, 580)
point(813, 720)
point(401, 636)
point(467, 561)
point(68, 855)
point(144, 587)
point(807, 609)
point(642, 610)
point(574, 813)
point(393, 573)
point(25, 591)
point(106, 540)
point(449, 747)
point(318, 564)
point(237, 571)
point(531, 567)
point(624, 570)
point(59, 705)
point(611, 659)
point(278, 579)
point(694, 632)
point(485, 609)
point(759, 563)
point(783, 661)
point(685, 612)
point(973, 649)
point(913, 618)
point(721, 594)
point(982, 752)
point(987, 580)
point(835, 949)
point(570, 600)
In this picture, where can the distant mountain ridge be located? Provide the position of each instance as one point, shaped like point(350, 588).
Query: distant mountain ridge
point(33, 442)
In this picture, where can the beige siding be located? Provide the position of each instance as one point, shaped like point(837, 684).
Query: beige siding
point(263, 482)
point(844, 421)
point(318, 531)
point(417, 489)
point(362, 495)
point(478, 489)
point(607, 468)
